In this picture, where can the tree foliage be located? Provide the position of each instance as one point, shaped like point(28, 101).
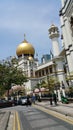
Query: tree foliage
point(53, 84)
point(10, 74)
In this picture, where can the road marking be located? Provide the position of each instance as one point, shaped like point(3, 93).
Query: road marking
point(55, 114)
point(16, 122)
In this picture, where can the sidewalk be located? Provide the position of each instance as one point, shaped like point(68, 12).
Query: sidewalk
point(65, 109)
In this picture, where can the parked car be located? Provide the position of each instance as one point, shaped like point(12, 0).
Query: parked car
point(14, 102)
point(22, 100)
point(5, 103)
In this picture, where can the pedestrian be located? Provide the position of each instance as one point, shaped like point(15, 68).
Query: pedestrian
point(50, 99)
point(27, 100)
point(55, 99)
point(33, 99)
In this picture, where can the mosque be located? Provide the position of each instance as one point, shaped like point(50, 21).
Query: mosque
point(58, 65)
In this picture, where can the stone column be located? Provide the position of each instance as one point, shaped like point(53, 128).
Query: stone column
point(60, 71)
point(59, 95)
point(63, 91)
point(29, 73)
point(69, 37)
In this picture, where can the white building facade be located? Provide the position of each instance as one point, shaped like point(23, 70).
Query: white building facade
point(66, 17)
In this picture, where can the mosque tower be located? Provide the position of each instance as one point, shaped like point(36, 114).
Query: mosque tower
point(54, 35)
point(57, 59)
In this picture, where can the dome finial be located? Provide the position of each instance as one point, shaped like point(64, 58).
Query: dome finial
point(24, 36)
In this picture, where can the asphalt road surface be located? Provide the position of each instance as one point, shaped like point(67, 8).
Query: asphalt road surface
point(34, 119)
point(31, 118)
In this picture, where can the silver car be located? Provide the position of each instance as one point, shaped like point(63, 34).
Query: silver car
point(23, 100)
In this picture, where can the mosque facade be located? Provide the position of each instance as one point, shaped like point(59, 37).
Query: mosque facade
point(66, 18)
point(59, 64)
point(36, 73)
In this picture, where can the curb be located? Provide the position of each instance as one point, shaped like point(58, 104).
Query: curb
point(53, 109)
point(59, 111)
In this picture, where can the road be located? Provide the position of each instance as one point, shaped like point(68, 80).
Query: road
point(31, 118)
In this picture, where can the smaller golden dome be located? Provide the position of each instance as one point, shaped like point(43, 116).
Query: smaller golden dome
point(30, 58)
point(25, 48)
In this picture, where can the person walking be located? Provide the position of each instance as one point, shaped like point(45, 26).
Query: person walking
point(55, 99)
point(33, 99)
point(50, 98)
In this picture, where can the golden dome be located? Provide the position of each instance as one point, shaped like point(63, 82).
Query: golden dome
point(25, 48)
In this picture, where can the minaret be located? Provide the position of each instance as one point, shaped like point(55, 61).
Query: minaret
point(54, 35)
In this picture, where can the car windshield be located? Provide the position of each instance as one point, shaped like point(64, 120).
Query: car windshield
point(1, 101)
point(23, 97)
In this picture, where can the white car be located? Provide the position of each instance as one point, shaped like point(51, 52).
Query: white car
point(23, 100)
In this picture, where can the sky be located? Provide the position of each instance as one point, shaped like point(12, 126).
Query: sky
point(30, 17)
